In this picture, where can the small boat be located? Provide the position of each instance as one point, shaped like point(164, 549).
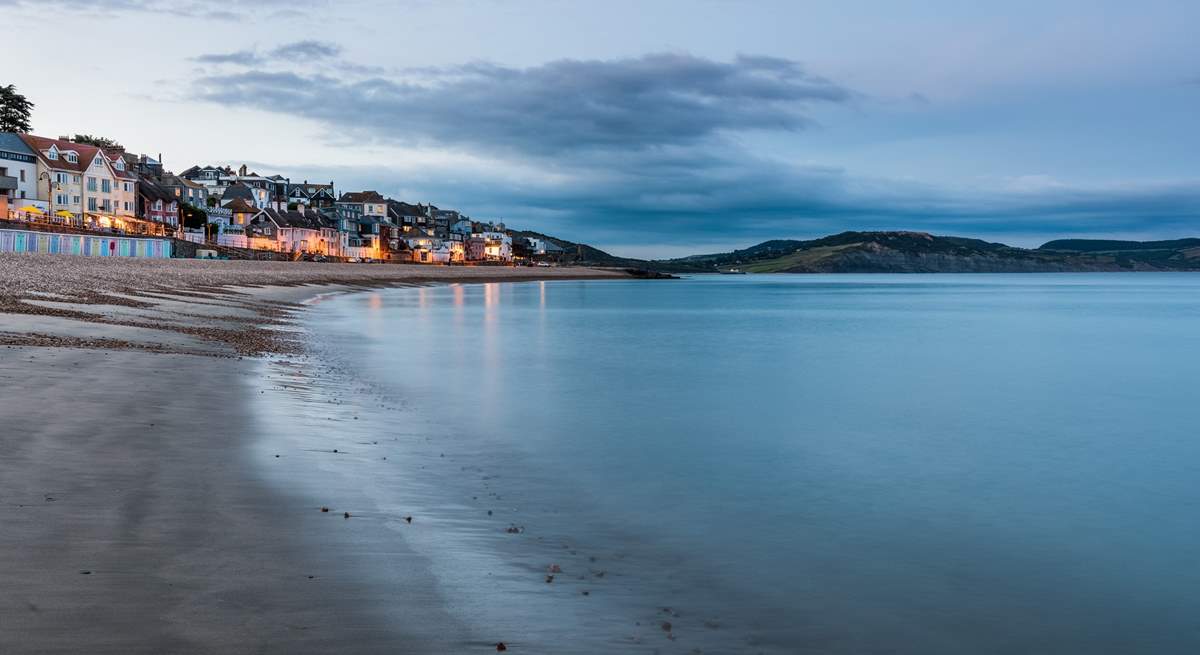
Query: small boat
point(732, 271)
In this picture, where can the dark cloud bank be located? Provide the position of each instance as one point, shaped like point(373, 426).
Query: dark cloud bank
point(648, 149)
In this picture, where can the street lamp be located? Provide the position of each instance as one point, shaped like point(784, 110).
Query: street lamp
point(51, 187)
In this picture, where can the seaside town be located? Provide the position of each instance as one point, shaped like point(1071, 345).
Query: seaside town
point(86, 195)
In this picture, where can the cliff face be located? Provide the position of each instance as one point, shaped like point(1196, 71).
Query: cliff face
point(918, 252)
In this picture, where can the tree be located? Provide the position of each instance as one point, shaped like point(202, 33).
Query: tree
point(194, 217)
point(98, 141)
point(14, 110)
point(211, 201)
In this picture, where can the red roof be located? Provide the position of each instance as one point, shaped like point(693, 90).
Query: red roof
point(40, 143)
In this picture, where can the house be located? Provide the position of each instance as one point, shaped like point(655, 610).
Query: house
point(425, 248)
point(442, 220)
point(18, 175)
point(60, 165)
point(475, 249)
point(124, 194)
point(219, 178)
point(544, 248)
point(354, 205)
point(316, 196)
point(157, 204)
point(241, 212)
point(298, 231)
point(406, 215)
point(497, 245)
point(362, 214)
point(144, 165)
point(462, 229)
point(254, 196)
point(185, 190)
point(278, 187)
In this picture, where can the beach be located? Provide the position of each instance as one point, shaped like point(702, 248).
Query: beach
point(134, 520)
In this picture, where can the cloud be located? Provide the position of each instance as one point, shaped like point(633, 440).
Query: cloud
point(680, 201)
point(655, 100)
point(637, 154)
point(245, 57)
point(307, 51)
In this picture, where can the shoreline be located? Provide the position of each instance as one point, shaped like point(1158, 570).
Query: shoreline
point(193, 307)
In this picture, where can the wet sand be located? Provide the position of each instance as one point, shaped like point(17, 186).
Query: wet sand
point(132, 522)
point(132, 519)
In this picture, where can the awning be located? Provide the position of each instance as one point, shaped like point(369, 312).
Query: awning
point(31, 209)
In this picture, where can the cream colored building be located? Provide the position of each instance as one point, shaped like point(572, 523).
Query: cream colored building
point(85, 181)
point(59, 174)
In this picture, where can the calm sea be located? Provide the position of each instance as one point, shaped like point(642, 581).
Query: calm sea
point(779, 464)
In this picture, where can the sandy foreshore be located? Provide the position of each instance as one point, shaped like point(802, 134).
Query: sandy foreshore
point(198, 307)
point(131, 517)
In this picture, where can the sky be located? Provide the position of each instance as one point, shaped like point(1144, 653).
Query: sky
point(658, 128)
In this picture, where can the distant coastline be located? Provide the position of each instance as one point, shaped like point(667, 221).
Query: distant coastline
point(921, 252)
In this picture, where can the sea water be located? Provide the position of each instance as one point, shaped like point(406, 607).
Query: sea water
point(826, 464)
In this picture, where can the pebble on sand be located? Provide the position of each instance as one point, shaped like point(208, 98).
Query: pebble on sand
point(501, 647)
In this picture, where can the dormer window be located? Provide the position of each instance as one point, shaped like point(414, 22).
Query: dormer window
point(52, 154)
point(120, 164)
point(72, 157)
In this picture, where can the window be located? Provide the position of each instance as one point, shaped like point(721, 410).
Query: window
point(22, 174)
point(126, 186)
point(22, 193)
point(91, 203)
point(52, 154)
point(105, 186)
point(107, 205)
point(60, 178)
point(75, 179)
point(120, 164)
point(91, 184)
point(98, 161)
point(60, 199)
point(72, 157)
point(74, 200)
